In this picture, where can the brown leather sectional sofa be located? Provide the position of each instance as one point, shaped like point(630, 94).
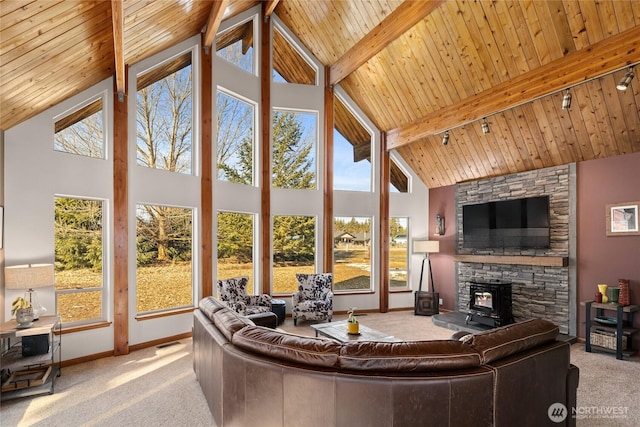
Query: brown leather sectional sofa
point(255, 376)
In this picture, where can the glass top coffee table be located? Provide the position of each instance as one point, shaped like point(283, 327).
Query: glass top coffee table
point(338, 331)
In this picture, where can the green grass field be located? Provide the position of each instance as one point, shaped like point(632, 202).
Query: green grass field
point(169, 286)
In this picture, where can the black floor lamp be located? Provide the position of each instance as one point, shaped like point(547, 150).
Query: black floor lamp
point(426, 303)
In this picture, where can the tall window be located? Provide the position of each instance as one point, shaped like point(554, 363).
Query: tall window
point(235, 45)
point(165, 116)
point(351, 151)
point(79, 259)
point(236, 120)
point(398, 252)
point(164, 273)
point(235, 246)
point(294, 149)
point(82, 132)
point(352, 253)
point(294, 246)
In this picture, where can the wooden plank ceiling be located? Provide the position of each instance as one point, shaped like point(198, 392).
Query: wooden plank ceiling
point(441, 73)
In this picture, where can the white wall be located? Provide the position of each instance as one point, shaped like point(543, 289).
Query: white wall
point(35, 174)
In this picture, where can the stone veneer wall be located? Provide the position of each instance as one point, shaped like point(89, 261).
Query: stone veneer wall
point(538, 291)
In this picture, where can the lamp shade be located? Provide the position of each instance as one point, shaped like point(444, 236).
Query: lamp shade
point(426, 246)
point(29, 276)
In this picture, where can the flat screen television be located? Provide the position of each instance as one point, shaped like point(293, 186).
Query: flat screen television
point(519, 223)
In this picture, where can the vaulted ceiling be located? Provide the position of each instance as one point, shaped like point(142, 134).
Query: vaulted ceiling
point(417, 69)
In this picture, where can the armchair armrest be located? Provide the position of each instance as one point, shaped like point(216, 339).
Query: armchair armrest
point(296, 298)
point(238, 306)
point(263, 300)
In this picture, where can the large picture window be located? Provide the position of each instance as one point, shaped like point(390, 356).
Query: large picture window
point(164, 271)
point(294, 250)
point(164, 116)
point(352, 253)
point(294, 149)
point(235, 246)
point(79, 249)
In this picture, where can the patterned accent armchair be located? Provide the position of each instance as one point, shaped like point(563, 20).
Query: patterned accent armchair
point(233, 292)
point(314, 299)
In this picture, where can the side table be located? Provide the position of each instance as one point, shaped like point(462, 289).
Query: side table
point(279, 308)
point(621, 327)
point(28, 375)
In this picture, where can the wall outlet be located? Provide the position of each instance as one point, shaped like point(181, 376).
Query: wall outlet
point(440, 301)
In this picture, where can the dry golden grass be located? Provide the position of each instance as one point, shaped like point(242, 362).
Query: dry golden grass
point(169, 286)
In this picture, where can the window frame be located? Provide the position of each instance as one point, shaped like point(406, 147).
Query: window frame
point(195, 253)
point(256, 121)
point(195, 106)
point(105, 288)
point(102, 97)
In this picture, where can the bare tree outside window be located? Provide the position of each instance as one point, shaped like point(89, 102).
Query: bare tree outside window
point(164, 115)
point(81, 132)
point(164, 257)
point(235, 119)
point(165, 121)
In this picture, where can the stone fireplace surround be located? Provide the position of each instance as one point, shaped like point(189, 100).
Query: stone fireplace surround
point(544, 283)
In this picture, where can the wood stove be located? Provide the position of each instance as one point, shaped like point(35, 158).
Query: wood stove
point(490, 302)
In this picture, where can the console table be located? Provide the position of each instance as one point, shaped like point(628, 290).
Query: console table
point(618, 328)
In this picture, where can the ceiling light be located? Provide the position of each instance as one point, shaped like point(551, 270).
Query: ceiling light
point(626, 80)
point(566, 100)
point(445, 138)
point(485, 127)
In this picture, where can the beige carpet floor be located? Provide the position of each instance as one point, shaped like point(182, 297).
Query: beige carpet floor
point(157, 387)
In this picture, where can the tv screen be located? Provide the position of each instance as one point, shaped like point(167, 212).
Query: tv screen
point(518, 223)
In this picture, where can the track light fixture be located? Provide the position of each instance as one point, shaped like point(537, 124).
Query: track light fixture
point(485, 127)
point(445, 138)
point(566, 100)
point(626, 80)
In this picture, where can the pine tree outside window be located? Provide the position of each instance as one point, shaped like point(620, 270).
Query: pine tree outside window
point(294, 149)
point(79, 249)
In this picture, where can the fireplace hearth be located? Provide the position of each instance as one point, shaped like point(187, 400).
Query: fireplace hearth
point(490, 302)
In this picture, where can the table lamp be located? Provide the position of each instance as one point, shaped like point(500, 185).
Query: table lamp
point(29, 277)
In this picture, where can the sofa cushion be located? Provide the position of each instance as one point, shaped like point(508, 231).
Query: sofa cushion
point(229, 322)
point(410, 356)
point(504, 341)
point(210, 305)
point(290, 347)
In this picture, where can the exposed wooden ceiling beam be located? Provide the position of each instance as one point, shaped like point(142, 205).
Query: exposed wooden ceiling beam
point(270, 7)
point(118, 46)
point(213, 23)
point(583, 65)
point(393, 26)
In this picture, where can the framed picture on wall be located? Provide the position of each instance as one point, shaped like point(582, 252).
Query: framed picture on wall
point(622, 219)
